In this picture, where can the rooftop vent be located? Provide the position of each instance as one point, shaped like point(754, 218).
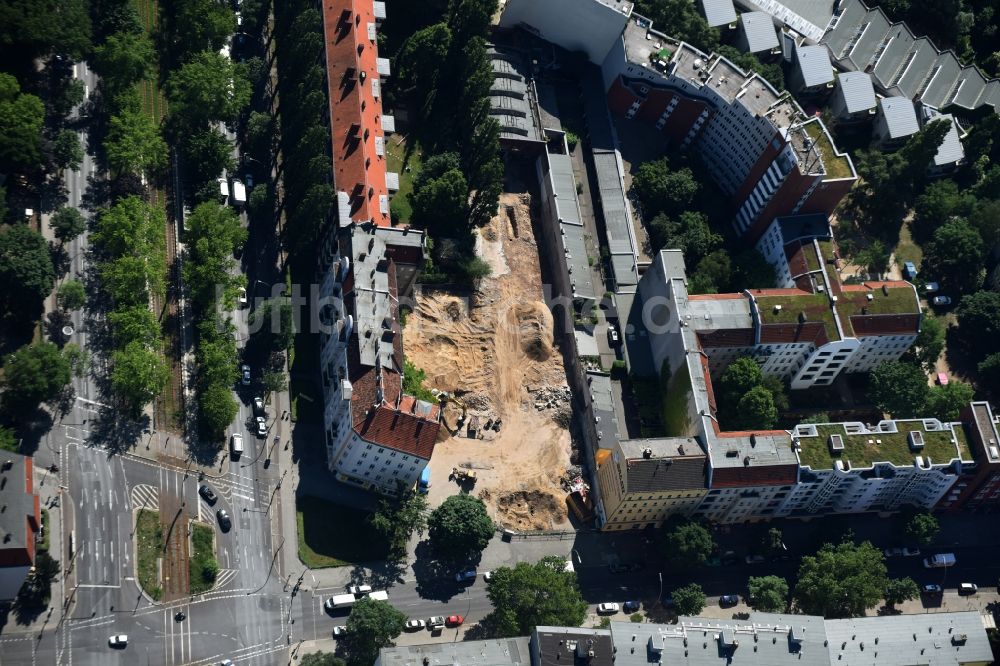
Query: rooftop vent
point(836, 443)
point(732, 453)
point(915, 438)
point(870, 297)
point(647, 453)
point(885, 290)
point(803, 318)
point(777, 309)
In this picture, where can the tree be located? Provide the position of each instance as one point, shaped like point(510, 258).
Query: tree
point(32, 375)
point(661, 190)
point(768, 594)
point(989, 372)
point(874, 257)
point(138, 375)
point(898, 590)
point(397, 518)
point(742, 375)
point(208, 88)
point(67, 153)
point(920, 526)
point(686, 543)
point(531, 595)
point(46, 26)
point(476, 269)
point(985, 218)
point(689, 600)
point(275, 381)
point(217, 409)
point(979, 324)
point(779, 395)
point(940, 203)
point(440, 196)
point(124, 59)
point(713, 274)
point(26, 269)
point(371, 626)
point(193, 27)
point(71, 295)
point(206, 153)
point(460, 526)
point(756, 409)
point(682, 21)
point(214, 232)
point(945, 402)
point(321, 659)
point(955, 255)
point(134, 145)
point(67, 223)
point(898, 388)
point(772, 542)
point(8, 440)
point(275, 320)
point(21, 119)
point(131, 323)
point(917, 155)
point(929, 343)
point(752, 271)
point(419, 65)
point(841, 580)
point(690, 234)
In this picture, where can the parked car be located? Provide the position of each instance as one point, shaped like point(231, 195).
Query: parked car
point(241, 297)
point(630, 606)
point(245, 375)
point(931, 287)
point(258, 406)
point(435, 622)
point(339, 630)
point(893, 552)
point(118, 641)
point(941, 300)
point(931, 588)
point(487, 575)
point(454, 621)
point(608, 607)
point(911, 552)
point(755, 559)
point(208, 494)
point(967, 588)
point(612, 335)
point(415, 625)
point(909, 270)
point(466, 575)
point(224, 521)
point(260, 426)
point(727, 600)
point(358, 590)
point(942, 379)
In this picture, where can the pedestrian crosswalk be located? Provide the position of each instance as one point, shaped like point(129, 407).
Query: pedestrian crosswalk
point(145, 496)
point(225, 577)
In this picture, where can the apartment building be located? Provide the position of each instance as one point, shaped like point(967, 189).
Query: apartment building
point(644, 481)
point(20, 522)
point(978, 488)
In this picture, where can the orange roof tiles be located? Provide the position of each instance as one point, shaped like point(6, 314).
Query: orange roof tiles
point(355, 112)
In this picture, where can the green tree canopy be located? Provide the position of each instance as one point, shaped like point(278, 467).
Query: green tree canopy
point(419, 61)
point(26, 269)
point(979, 324)
point(752, 271)
point(681, 20)
point(989, 373)
point(209, 88)
point(32, 375)
point(131, 323)
point(67, 153)
point(397, 518)
point(46, 26)
point(920, 526)
point(214, 232)
point(742, 375)
point(138, 375)
point(689, 600)
point(940, 203)
point(21, 119)
point(955, 255)
point(841, 581)
point(371, 626)
point(690, 233)
point(71, 295)
point(8, 440)
point(929, 343)
point(531, 595)
point(321, 659)
point(768, 593)
point(686, 543)
point(193, 27)
point(713, 274)
point(274, 318)
point(756, 409)
point(440, 196)
point(217, 409)
point(134, 145)
point(206, 153)
point(663, 190)
point(898, 590)
point(67, 223)
point(945, 402)
point(460, 526)
point(124, 59)
point(899, 388)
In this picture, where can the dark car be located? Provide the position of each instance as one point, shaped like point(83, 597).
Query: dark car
point(931, 589)
point(727, 600)
point(224, 521)
point(208, 494)
point(630, 606)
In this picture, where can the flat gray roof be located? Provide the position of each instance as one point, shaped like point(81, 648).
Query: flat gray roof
point(502, 652)
point(718, 12)
point(571, 225)
point(950, 151)
point(933, 639)
point(858, 91)
point(814, 63)
point(753, 450)
point(604, 408)
point(760, 31)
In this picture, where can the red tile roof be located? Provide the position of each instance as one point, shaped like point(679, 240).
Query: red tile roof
point(726, 337)
point(400, 430)
point(355, 113)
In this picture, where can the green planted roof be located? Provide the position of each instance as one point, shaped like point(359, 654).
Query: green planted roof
point(939, 446)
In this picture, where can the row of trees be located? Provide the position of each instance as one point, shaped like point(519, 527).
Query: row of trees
point(900, 388)
point(131, 250)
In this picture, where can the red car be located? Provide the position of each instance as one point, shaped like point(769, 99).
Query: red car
point(454, 621)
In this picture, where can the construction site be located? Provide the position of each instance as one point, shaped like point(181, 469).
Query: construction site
point(507, 411)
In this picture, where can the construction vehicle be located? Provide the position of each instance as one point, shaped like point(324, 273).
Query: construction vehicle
point(463, 476)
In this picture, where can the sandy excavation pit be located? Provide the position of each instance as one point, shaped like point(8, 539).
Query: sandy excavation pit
point(494, 351)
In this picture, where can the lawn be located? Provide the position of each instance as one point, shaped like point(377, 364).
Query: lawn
point(837, 166)
point(676, 415)
point(816, 308)
point(149, 547)
point(204, 567)
point(397, 160)
point(906, 249)
point(322, 545)
point(938, 446)
point(44, 544)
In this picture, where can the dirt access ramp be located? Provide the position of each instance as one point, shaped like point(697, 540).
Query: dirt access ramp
point(494, 351)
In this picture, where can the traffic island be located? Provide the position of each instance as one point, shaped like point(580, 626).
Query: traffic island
point(204, 566)
point(149, 549)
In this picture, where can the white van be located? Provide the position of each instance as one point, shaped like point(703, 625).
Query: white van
point(939, 560)
point(236, 445)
